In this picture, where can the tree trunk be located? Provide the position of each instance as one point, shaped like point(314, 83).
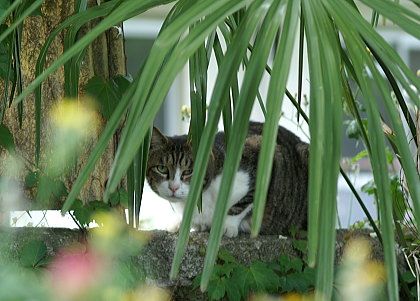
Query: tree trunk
point(104, 58)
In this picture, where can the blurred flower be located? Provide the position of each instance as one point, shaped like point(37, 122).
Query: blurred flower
point(75, 271)
point(11, 194)
point(185, 113)
point(72, 123)
point(113, 231)
point(287, 297)
point(79, 116)
point(147, 293)
point(360, 278)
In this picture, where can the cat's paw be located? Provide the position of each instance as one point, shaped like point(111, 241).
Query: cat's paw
point(231, 230)
point(174, 228)
point(200, 227)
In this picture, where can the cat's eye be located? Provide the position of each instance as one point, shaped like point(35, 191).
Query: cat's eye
point(162, 169)
point(187, 172)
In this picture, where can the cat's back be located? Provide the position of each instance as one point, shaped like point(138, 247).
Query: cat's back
point(286, 203)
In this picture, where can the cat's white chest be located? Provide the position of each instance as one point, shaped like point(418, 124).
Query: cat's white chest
point(202, 220)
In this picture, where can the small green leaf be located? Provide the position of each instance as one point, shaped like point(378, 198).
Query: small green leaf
point(217, 289)
point(83, 213)
point(6, 138)
point(408, 277)
point(123, 197)
point(106, 94)
point(227, 269)
point(77, 204)
point(226, 256)
point(241, 280)
point(233, 292)
point(359, 156)
point(99, 205)
point(196, 282)
point(293, 283)
point(119, 196)
point(33, 253)
point(290, 263)
point(50, 189)
point(258, 278)
point(121, 83)
point(31, 179)
point(300, 245)
point(369, 187)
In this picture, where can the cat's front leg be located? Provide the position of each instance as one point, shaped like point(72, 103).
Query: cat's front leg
point(231, 227)
point(174, 228)
point(233, 222)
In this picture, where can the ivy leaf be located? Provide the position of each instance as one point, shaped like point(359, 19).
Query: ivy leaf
point(83, 215)
point(122, 82)
point(227, 269)
point(196, 282)
point(6, 138)
point(217, 289)
point(33, 254)
point(293, 283)
point(300, 245)
point(262, 277)
point(226, 256)
point(106, 93)
point(233, 292)
point(257, 278)
point(119, 196)
point(123, 197)
point(290, 263)
point(298, 282)
point(50, 189)
point(127, 274)
point(31, 179)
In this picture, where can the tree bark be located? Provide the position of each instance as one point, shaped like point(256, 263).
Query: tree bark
point(105, 58)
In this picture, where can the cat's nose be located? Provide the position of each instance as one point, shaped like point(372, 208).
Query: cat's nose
point(173, 188)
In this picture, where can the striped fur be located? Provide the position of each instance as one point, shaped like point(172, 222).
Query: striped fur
point(286, 203)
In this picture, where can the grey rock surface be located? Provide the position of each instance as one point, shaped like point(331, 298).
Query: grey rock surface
point(156, 257)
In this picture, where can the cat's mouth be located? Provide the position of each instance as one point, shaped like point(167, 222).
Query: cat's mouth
point(175, 199)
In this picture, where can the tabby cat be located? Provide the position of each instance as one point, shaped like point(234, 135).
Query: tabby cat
point(171, 165)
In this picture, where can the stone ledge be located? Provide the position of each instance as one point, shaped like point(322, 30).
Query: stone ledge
point(156, 257)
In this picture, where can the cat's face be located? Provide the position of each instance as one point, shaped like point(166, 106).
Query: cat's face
point(170, 166)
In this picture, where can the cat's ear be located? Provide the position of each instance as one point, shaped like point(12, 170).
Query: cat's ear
point(158, 138)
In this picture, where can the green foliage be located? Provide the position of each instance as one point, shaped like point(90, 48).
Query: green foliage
point(107, 93)
point(192, 31)
point(5, 54)
point(236, 282)
point(353, 130)
point(34, 254)
point(31, 179)
point(85, 213)
point(6, 138)
point(411, 281)
point(50, 189)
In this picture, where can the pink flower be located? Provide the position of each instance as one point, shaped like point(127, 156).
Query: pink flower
point(75, 271)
